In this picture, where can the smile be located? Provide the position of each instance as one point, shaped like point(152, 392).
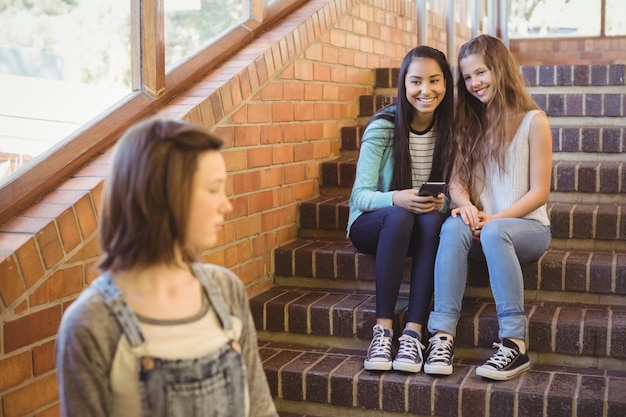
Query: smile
point(481, 91)
point(426, 100)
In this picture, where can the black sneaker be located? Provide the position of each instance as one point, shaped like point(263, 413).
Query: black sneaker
point(439, 356)
point(379, 353)
point(410, 356)
point(505, 363)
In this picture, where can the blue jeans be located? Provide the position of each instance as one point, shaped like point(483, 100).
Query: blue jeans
point(504, 244)
point(393, 233)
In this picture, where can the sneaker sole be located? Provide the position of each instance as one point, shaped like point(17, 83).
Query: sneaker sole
point(488, 372)
point(407, 366)
point(438, 369)
point(377, 366)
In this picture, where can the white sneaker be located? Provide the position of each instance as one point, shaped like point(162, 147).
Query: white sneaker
point(410, 355)
point(440, 354)
point(379, 352)
point(506, 363)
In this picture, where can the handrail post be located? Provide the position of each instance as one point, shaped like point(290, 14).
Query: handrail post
point(450, 29)
point(504, 21)
point(422, 23)
point(476, 17)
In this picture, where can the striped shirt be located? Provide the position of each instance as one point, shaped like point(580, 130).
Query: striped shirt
point(421, 148)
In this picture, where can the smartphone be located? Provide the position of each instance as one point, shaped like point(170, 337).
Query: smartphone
point(432, 188)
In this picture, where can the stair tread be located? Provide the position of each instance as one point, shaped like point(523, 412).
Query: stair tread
point(578, 329)
point(336, 377)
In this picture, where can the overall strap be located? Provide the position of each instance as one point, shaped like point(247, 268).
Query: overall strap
point(114, 300)
point(214, 293)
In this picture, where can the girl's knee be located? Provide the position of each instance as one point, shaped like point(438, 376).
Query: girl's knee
point(455, 226)
point(398, 217)
point(493, 231)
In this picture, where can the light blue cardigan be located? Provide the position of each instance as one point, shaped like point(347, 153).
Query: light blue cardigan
point(374, 170)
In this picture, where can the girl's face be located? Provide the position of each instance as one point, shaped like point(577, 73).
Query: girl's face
point(479, 80)
point(425, 85)
point(208, 203)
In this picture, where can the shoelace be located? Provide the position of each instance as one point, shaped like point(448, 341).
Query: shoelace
point(503, 356)
point(441, 352)
point(409, 346)
point(381, 345)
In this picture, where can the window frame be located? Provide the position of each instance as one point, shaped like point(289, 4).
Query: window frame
point(152, 89)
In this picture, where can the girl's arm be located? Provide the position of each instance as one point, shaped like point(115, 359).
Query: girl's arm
point(462, 205)
point(374, 154)
point(85, 345)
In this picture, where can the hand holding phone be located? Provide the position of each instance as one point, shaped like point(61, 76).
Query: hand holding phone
point(432, 188)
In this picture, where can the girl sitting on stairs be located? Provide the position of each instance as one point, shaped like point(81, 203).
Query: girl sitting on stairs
point(499, 189)
point(404, 145)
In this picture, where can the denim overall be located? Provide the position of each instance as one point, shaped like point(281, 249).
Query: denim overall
point(210, 386)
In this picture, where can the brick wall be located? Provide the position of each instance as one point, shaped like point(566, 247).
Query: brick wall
point(279, 104)
point(564, 51)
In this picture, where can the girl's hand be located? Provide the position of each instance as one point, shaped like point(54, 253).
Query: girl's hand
point(482, 220)
point(469, 214)
point(418, 204)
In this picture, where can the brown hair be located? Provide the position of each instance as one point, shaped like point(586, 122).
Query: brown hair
point(484, 131)
point(145, 206)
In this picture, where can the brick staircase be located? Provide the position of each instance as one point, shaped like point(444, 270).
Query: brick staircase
point(315, 323)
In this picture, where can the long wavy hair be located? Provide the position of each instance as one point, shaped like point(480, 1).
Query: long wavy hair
point(401, 114)
point(484, 131)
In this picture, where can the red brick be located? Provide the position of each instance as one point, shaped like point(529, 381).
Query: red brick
point(236, 254)
point(43, 358)
point(87, 218)
point(31, 328)
point(11, 284)
point(294, 173)
point(259, 112)
point(247, 135)
point(68, 228)
point(50, 245)
point(259, 157)
point(261, 201)
point(272, 92)
point(272, 177)
point(61, 284)
point(248, 226)
point(282, 154)
point(246, 182)
point(15, 370)
point(271, 134)
point(294, 132)
point(282, 112)
point(31, 397)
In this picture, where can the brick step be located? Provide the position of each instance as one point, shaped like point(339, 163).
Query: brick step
point(604, 222)
point(586, 138)
point(564, 102)
point(574, 75)
point(567, 176)
point(580, 273)
point(543, 75)
point(332, 382)
point(594, 334)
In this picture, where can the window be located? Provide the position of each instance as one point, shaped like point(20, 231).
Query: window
point(62, 62)
point(74, 73)
point(192, 24)
point(615, 23)
point(555, 18)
